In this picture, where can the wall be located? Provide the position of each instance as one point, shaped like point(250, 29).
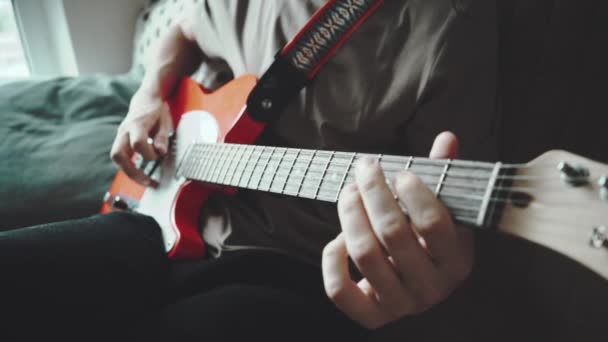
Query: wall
point(78, 37)
point(46, 37)
point(102, 33)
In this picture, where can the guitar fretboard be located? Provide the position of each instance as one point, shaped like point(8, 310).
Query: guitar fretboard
point(469, 189)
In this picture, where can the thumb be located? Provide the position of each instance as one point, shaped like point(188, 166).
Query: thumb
point(445, 146)
point(165, 128)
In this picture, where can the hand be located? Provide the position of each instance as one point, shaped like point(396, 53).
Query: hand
point(148, 118)
point(409, 263)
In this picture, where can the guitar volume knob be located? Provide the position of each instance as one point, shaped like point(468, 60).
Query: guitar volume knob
point(119, 203)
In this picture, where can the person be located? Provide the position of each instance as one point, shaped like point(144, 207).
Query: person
point(278, 266)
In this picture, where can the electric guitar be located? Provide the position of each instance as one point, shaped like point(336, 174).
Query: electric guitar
point(559, 200)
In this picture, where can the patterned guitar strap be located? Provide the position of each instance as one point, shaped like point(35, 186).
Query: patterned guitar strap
point(297, 63)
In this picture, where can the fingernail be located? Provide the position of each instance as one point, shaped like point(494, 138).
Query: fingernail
point(365, 163)
point(161, 148)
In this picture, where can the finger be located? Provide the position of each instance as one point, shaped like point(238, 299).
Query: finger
point(428, 216)
point(392, 227)
point(445, 146)
point(121, 154)
point(141, 143)
point(366, 252)
point(343, 291)
point(161, 138)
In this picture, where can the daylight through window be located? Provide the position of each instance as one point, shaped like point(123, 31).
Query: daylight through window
point(13, 63)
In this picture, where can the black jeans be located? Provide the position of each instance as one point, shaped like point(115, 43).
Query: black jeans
point(107, 278)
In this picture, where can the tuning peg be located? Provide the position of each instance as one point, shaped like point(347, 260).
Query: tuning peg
point(599, 237)
point(573, 175)
point(603, 183)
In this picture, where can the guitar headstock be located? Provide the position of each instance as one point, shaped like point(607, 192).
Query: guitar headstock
point(560, 201)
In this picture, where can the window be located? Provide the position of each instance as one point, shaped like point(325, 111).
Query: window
point(13, 63)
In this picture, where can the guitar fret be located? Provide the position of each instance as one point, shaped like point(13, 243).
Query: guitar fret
point(232, 165)
point(305, 173)
point(182, 166)
point(410, 160)
point(237, 167)
point(331, 156)
point(220, 164)
point(230, 155)
point(201, 161)
point(274, 174)
point(255, 165)
point(180, 162)
point(192, 161)
point(204, 160)
point(243, 163)
point(343, 181)
point(281, 174)
point(488, 194)
point(290, 170)
point(226, 159)
point(212, 164)
point(442, 177)
point(265, 166)
point(259, 167)
point(314, 176)
point(296, 175)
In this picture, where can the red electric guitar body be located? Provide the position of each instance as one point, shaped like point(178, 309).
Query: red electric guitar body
point(199, 116)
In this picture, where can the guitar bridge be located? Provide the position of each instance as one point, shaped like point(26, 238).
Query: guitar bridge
point(120, 202)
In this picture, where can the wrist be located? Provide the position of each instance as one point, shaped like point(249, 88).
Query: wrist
point(150, 86)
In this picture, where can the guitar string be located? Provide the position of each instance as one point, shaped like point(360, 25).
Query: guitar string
point(290, 181)
point(318, 195)
point(450, 179)
point(419, 162)
point(307, 187)
point(450, 182)
point(399, 159)
point(237, 164)
point(233, 167)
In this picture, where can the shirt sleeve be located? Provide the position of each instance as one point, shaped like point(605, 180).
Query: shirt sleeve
point(459, 85)
point(247, 34)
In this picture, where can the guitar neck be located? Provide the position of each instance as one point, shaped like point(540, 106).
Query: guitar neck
point(470, 190)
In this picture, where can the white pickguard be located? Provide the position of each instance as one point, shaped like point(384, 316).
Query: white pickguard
point(195, 126)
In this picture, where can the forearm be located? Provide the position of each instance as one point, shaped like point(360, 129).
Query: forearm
point(177, 55)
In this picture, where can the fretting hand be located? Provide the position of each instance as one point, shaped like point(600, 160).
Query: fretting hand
point(409, 263)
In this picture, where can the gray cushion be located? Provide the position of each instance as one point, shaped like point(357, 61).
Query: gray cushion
point(55, 140)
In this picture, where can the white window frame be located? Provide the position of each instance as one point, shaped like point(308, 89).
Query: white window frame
point(46, 37)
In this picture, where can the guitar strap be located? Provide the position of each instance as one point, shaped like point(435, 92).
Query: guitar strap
point(297, 63)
